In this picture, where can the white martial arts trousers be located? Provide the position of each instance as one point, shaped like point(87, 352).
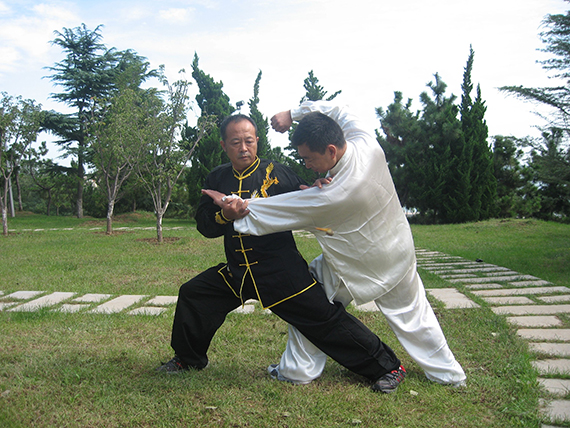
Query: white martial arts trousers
point(412, 319)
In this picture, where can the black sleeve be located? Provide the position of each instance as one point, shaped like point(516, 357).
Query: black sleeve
point(209, 220)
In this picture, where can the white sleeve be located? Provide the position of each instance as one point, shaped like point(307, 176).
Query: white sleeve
point(351, 126)
point(301, 210)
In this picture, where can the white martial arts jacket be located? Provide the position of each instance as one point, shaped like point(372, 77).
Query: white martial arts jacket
point(371, 248)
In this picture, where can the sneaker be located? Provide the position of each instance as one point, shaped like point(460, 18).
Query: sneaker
point(273, 371)
point(390, 381)
point(174, 366)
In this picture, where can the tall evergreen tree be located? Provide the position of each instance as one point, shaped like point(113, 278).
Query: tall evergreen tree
point(208, 154)
point(263, 146)
point(402, 144)
point(86, 74)
point(476, 158)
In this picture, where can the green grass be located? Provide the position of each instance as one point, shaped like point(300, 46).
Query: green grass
point(78, 370)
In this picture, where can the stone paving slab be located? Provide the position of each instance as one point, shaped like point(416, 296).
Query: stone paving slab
point(555, 299)
point(552, 367)
point(509, 300)
point(522, 291)
point(555, 386)
point(72, 308)
point(474, 270)
point(368, 307)
point(534, 283)
point(535, 310)
point(553, 349)
point(561, 334)
point(492, 279)
point(24, 295)
point(162, 300)
point(92, 298)
point(6, 305)
point(452, 298)
point(463, 275)
point(43, 302)
point(245, 309)
point(117, 304)
point(535, 321)
point(556, 410)
point(483, 286)
point(451, 265)
point(147, 310)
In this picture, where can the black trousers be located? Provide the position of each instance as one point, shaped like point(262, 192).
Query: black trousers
point(205, 300)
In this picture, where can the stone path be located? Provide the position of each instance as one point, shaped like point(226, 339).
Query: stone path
point(531, 304)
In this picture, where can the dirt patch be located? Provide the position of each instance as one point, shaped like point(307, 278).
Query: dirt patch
point(155, 241)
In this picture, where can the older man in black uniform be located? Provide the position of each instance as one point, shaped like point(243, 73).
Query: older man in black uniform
point(268, 268)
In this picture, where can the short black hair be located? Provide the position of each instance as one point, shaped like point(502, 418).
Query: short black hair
point(234, 118)
point(317, 131)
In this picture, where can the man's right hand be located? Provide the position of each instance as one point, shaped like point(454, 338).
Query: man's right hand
point(281, 122)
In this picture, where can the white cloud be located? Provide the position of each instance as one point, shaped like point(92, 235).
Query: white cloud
point(177, 15)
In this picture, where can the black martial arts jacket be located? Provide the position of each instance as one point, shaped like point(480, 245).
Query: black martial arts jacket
point(271, 263)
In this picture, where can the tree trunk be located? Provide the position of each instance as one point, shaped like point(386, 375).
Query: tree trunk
point(159, 215)
point(80, 182)
point(110, 209)
point(19, 190)
point(4, 210)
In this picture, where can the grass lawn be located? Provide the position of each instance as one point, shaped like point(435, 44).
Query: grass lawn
point(91, 370)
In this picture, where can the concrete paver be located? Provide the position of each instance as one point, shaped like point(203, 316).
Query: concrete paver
point(528, 310)
point(508, 300)
point(147, 310)
point(44, 301)
point(557, 410)
point(368, 307)
point(555, 299)
point(561, 334)
point(452, 298)
point(535, 321)
point(529, 283)
point(5, 305)
point(24, 295)
point(559, 387)
point(163, 300)
point(552, 349)
point(117, 304)
point(552, 367)
point(71, 308)
point(522, 291)
point(492, 279)
point(92, 298)
point(489, 285)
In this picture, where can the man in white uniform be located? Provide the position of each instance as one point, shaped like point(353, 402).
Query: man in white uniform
point(368, 249)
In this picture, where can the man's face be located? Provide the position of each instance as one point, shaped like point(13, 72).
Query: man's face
point(320, 163)
point(240, 144)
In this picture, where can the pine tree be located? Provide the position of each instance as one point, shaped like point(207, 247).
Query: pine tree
point(208, 154)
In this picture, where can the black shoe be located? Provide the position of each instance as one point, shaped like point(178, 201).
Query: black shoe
point(390, 381)
point(174, 366)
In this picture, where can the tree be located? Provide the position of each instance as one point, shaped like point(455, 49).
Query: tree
point(476, 157)
point(263, 146)
point(401, 143)
point(167, 152)
point(86, 73)
point(549, 158)
point(118, 128)
point(517, 196)
point(313, 92)
point(550, 162)
point(213, 102)
point(19, 127)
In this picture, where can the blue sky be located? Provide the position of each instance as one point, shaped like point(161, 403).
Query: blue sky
point(366, 48)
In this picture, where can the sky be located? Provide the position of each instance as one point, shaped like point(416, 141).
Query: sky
point(366, 48)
